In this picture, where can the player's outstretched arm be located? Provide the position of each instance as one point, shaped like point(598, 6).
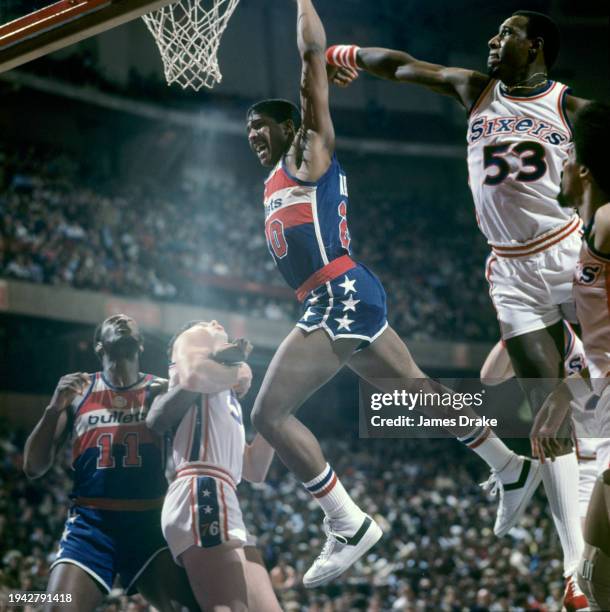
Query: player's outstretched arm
point(258, 456)
point(317, 134)
point(462, 84)
point(52, 428)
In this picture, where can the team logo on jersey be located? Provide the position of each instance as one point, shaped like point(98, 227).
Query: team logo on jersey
point(485, 127)
point(118, 401)
point(587, 274)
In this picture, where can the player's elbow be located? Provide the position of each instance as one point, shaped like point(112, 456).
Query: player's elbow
point(155, 422)
point(33, 469)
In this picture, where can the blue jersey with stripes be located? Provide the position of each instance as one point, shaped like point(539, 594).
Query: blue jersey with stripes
point(306, 222)
point(118, 461)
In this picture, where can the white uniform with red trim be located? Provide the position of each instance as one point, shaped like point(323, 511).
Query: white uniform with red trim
point(201, 506)
point(516, 150)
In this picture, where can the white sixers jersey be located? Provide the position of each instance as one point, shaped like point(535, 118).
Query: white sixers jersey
point(210, 438)
point(592, 298)
point(516, 150)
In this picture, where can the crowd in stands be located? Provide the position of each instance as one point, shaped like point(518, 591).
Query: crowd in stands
point(438, 551)
point(208, 248)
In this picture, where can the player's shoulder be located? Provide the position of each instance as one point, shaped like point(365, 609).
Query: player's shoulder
point(602, 219)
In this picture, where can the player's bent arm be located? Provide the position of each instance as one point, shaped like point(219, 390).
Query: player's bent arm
point(311, 41)
point(464, 85)
point(601, 240)
point(573, 105)
point(204, 375)
point(42, 444)
point(168, 409)
point(258, 456)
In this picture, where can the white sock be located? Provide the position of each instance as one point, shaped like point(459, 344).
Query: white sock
point(328, 491)
point(484, 442)
point(560, 479)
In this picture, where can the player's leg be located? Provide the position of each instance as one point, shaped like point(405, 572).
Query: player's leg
point(69, 579)
point(594, 569)
point(388, 365)
point(538, 361)
point(261, 595)
point(218, 578)
point(301, 365)
point(166, 586)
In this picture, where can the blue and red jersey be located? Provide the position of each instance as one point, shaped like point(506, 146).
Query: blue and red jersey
point(118, 461)
point(306, 226)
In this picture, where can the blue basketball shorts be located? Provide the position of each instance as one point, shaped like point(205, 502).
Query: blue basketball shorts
point(105, 543)
point(353, 305)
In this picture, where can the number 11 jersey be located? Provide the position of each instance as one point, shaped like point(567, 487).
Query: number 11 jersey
point(516, 149)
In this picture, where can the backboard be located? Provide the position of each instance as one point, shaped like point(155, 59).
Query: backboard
point(55, 25)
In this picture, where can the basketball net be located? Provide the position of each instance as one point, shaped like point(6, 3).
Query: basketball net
point(188, 36)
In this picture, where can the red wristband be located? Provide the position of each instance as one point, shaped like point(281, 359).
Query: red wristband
point(342, 56)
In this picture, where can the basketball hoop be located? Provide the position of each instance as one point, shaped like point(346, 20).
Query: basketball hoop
point(188, 36)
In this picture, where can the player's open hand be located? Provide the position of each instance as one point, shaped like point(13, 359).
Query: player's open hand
point(548, 433)
point(68, 387)
point(234, 352)
point(341, 76)
point(244, 380)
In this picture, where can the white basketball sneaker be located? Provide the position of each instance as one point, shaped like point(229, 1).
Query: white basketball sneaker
point(516, 484)
point(340, 551)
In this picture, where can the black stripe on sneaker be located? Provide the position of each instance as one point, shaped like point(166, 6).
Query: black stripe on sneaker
point(525, 470)
point(355, 539)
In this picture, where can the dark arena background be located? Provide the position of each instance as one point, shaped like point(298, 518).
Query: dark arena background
point(121, 194)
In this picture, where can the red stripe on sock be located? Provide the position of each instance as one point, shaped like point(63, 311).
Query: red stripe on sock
point(328, 488)
point(481, 439)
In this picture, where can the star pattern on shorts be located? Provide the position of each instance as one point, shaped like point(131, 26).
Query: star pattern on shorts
point(348, 285)
point(313, 299)
point(65, 533)
point(344, 323)
point(207, 509)
point(350, 304)
point(71, 519)
point(60, 551)
point(308, 313)
point(206, 493)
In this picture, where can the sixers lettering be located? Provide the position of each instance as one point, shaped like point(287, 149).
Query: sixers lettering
point(518, 138)
point(114, 521)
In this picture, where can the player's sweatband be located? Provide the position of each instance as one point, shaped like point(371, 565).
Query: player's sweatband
point(342, 56)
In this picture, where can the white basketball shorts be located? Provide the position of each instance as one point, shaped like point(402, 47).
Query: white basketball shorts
point(201, 511)
point(531, 292)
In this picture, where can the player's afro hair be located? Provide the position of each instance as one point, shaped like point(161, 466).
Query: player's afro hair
point(591, 134)
point(542, 26)
point(279, 110)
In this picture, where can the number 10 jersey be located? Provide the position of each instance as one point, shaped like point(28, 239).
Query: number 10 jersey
point(516, 150)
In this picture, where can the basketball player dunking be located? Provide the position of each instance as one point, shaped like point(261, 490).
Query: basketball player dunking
point(344, 318)
point(518, 139)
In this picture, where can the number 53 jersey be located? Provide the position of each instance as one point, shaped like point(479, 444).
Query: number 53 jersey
point(516, 149)
point(118, 462)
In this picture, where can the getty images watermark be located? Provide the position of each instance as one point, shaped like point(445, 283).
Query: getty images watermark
point(424, 408)
point(421, 400)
